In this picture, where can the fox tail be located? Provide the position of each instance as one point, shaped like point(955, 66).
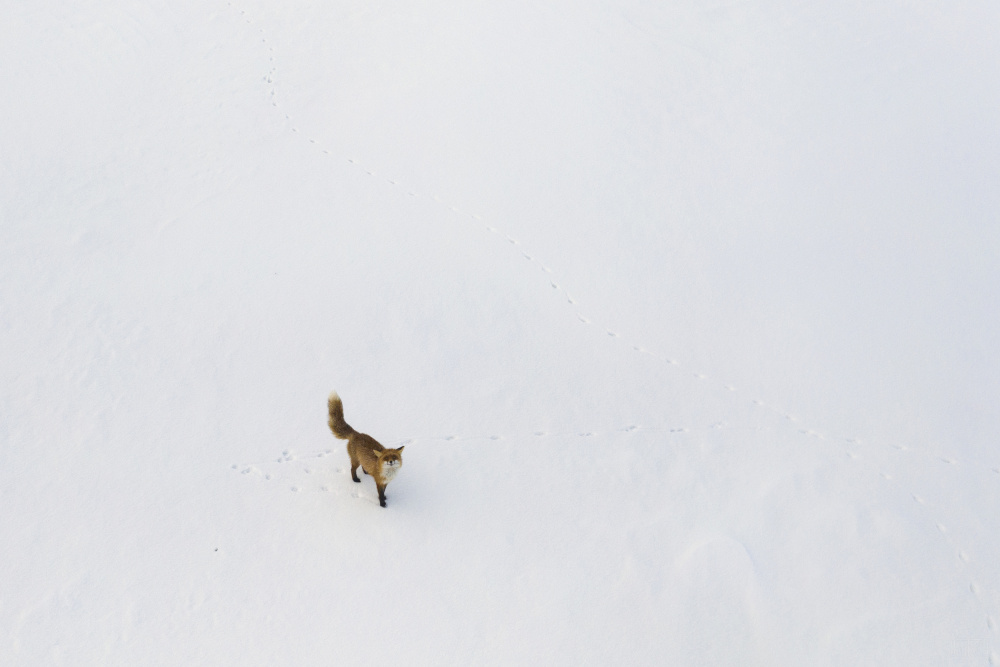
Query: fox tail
point(340, 428)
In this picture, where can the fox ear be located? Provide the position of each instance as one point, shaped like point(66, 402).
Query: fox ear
point(399, 449)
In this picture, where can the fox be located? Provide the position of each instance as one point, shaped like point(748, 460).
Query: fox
point(365, 451)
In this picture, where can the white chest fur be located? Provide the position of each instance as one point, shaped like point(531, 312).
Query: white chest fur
point(389, 471)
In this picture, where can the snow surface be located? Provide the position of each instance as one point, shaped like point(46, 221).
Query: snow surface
point(686, 312)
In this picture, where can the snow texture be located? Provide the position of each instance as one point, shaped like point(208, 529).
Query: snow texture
point(687, 314)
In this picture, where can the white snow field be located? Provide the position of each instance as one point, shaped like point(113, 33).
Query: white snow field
point(687, 312)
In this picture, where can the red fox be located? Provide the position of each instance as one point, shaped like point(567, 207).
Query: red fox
point(375, 460)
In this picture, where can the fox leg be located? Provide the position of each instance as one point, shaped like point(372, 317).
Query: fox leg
point(381, 494)
point(355, 461)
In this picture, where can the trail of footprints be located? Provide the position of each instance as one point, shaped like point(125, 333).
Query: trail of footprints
point(848, 444)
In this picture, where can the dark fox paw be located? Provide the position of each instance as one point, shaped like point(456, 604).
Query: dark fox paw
point(382, 503)
point(355, 478)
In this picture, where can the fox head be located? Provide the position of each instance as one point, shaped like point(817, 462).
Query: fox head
point(392, 458)
point(389, 461)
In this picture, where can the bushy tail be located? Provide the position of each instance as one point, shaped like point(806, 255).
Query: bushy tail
point(340, 428)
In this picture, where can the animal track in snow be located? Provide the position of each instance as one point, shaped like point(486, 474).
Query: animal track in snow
point(303, 467)
point(270, 79)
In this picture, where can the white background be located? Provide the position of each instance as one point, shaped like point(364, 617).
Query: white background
point(686, 312)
